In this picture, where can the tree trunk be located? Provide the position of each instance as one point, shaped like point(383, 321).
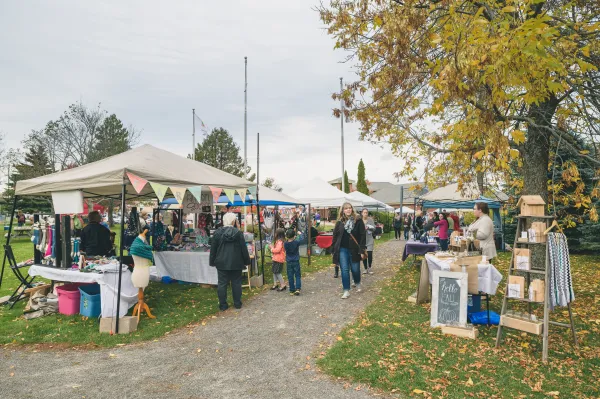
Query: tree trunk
point(480, 183)
point(536, 150)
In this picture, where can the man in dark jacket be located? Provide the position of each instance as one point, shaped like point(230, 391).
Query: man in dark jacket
point(95, 238)
point(229, 254)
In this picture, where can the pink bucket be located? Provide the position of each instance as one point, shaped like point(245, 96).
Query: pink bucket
point(69, 298)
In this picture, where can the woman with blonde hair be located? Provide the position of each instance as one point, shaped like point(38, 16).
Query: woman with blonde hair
point(349, 246)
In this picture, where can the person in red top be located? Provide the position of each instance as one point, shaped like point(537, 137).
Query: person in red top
point(442, 224)
point(278, 256)
point(454, 217)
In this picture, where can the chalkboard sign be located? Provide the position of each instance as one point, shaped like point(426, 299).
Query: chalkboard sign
point(449, 299)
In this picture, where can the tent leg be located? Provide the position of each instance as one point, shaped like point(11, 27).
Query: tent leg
point(308, 242)
point(123, 194)
point(10, 226)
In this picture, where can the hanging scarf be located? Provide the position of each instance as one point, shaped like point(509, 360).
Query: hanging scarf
point(349, 226)
point(141, 249)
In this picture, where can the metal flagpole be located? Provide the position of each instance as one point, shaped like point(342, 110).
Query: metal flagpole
point(194, 134)
point(245, 129)
point(342, 125)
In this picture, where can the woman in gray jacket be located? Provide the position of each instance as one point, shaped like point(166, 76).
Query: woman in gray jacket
point(483, 228)
point(370, 240)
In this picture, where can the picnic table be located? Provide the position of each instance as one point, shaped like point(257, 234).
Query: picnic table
point(413, 247)
point(20, 231)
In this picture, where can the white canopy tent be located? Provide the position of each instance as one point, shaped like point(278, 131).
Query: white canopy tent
point(370, 203)
point(109, 178)
point(320, 194)
point(106, 177)
point(451, 193)
point(404, 210)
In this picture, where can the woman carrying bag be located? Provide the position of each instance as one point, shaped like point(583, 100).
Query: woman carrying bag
point(349, 246)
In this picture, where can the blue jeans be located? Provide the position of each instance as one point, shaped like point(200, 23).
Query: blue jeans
point(293, 272)
point(346, 265)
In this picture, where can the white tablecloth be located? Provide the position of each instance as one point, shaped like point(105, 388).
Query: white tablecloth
point(108, 286)
point(186, 266)
point(489, 276)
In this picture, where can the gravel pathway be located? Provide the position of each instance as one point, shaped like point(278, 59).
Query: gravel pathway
point(265, 350)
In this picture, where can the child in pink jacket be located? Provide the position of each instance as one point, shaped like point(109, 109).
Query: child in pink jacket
point(278, 256)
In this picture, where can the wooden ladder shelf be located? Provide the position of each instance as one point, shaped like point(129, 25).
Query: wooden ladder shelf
point(531, 325)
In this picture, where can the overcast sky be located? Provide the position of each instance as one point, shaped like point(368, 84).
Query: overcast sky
point(151, 62)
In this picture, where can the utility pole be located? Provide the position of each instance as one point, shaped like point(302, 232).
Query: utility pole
point(194, 134)
point(342, 126)
point(245, 131)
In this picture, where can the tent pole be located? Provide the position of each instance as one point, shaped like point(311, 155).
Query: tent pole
point(308, 243)
point(10, 226)
point(123, 194)
point(262, 250)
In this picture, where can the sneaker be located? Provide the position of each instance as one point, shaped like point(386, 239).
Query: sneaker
point(366, 272)
point(353, 284)
point(358, 288)
point(346, 295)
point(370, 270)
point(292, 293)
point(297, 292)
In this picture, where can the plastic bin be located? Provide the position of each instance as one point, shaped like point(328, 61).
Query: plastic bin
point(474, 304)
point(68, 299)
point(89, 304)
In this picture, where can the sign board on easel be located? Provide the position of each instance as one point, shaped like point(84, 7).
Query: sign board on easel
point(449, 299)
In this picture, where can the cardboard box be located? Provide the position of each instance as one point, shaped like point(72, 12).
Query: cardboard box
point(465, 332)
point(516, 287)
point(537, 290)
point(530, 326)
point(532, 205)
point(472, 274)
point(127, 324)
point(522, 259)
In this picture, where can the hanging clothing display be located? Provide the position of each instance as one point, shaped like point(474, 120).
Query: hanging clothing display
point(158, 236)
point(49, 232)
point(132, 229)
point(561, 281)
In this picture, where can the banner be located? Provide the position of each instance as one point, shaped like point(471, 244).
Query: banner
point(196, 192)
point(242, 192)
point(216, 193)
point(230, 193)
point(137, 182)
point(190, 204)
point(178, 193)
point(252, 190)
point(160, 190)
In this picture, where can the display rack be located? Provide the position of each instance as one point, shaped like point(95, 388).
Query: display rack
point(532, 325)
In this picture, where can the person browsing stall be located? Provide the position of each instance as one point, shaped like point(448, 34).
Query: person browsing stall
point(442, 225)
point(229, 254)
point(95, 238)
point(483, 229)
point(292, 258)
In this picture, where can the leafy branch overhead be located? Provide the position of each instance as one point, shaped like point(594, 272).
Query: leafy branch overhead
point(474, 86)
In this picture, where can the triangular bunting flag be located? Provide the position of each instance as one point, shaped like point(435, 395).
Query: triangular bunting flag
point(137, 182)
point(242, 192)
point(196, 192)
point(230, 193)
point(178, 193)
point(252, 190)
point(160, 190)
point(216, 193)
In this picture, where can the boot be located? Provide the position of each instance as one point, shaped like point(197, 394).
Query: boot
point(337, 272)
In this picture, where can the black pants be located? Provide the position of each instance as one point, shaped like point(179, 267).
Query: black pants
point(369, 261)
point(225, 277)
point(397, 230)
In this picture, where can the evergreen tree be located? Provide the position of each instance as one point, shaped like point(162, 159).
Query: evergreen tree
point(220, 151)
point(34, 164)
point(361, 184)
point(112, 138)
point(346, 183)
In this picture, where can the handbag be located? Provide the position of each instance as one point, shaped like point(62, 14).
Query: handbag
point(363, 253)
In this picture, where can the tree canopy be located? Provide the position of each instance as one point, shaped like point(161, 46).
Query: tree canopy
point(270, 183)
point(219, 150)
point(469, 86)
point(346, 186)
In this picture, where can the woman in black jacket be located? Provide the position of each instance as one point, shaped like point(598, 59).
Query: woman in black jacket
point(349, 245)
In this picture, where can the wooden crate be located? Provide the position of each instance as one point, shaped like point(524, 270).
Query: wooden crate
point(466, 332)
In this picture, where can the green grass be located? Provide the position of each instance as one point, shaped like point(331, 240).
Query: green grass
point(176, 306)
point(391, 346)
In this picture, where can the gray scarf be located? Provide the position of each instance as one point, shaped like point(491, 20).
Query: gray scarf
point(349, 224)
